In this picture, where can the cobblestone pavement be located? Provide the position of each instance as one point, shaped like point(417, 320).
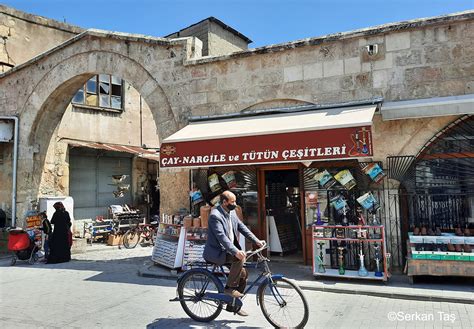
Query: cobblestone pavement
point(101, 289)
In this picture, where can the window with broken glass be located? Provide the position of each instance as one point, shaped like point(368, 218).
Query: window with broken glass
point(103, 91)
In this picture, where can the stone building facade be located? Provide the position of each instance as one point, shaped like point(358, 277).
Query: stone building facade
point(419, 59)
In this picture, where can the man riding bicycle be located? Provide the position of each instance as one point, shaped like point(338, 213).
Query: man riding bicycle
point(222, 245)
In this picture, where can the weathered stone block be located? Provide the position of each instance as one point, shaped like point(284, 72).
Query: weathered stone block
point(333, 68)
point(352, 65)
point(458, 71)
point(386, 63)
point(204, 84)
point(397, 41)
point(312, 71)
point(422, 74)
point(351, 49)
point(330, 84)
point(411, 57)
point(213, 97)
point(230, 95)
point(198, 98)
point(267, 77)
point(379, 79)
point(436, 54)
point(362, 80)
point(199, 72)
point(293, 73)
point(346, 82)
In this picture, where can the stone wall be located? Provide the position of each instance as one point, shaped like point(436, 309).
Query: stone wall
point(216, 40)
point(23, 36)
point(222, 42)
point(419, 59)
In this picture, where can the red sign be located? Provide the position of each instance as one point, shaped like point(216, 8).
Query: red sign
point(340, 143)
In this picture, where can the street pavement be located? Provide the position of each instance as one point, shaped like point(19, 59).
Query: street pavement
point(101, 289)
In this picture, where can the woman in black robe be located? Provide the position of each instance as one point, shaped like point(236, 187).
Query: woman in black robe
point(60, 248)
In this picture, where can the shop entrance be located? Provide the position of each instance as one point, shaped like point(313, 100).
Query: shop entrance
point(282, 220)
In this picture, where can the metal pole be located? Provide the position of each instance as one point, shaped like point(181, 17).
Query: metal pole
point(15, 164)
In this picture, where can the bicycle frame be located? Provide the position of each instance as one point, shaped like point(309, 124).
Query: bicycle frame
point(266, 275)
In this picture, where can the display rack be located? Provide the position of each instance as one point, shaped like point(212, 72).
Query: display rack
point(97, 229)
point(169, 245)
point(195, 240)
point(429, 255)
point(364, 236)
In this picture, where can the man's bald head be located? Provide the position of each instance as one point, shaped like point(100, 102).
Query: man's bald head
point(227, 196)
point(228, 200)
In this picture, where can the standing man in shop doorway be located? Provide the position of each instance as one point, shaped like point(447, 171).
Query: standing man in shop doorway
point(222, 245)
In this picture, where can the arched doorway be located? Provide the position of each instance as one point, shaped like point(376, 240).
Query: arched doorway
point(443, 178)
point(437, 185)
point(47, 102)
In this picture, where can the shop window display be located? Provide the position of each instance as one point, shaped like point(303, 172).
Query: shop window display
point(343, 204)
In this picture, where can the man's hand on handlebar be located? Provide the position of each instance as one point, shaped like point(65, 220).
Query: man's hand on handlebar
point(261, 243)
point(240, 255)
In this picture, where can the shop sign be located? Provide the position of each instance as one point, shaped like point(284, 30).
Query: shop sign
point(341, 143)
point(33, 221)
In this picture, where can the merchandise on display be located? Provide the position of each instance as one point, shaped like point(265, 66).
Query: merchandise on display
point(229, 178)
point(214, 182)
point(325, 179)
point(349, 251)
point(345, 178)
point(374, 171)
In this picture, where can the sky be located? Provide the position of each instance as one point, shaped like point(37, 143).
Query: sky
point(263, 21)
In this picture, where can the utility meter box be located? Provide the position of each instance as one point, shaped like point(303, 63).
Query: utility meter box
point(6, 131)
point(46, 204)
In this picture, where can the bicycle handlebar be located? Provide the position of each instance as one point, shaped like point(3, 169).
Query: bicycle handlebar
point(250, 253)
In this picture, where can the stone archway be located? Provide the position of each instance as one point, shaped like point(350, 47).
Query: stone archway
point(47, 101)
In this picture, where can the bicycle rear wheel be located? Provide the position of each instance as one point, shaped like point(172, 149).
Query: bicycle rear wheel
point(283, 304)
point(131, 238)
point(191, 289)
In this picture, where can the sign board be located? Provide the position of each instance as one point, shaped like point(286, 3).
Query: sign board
point(299, 146)
point(6, 131)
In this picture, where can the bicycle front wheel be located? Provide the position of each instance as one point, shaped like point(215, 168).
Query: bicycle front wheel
point(191, 290)
point(283, 304)
point(131, 238)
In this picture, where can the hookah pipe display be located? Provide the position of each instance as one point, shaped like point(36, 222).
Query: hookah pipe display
point(321, 268)
point(342, 269)
point(378, 269)
point(375, 222)
point(362, 270)
point(318, 215)
point(360, 217)
point(345, 222)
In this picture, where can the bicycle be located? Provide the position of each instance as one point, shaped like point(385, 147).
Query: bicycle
point(146, 232)
point(201, 294)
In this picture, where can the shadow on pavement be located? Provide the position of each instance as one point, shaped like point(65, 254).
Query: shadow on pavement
point(117, 270)
point(189, 323)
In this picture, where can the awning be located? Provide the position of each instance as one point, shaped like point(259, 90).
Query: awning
point(337, 133)
point(138, 151)
point(428, 107)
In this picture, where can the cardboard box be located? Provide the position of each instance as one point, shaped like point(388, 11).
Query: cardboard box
point(433, 256)
point(462, 257)
point(418, 255)
point(114, 239)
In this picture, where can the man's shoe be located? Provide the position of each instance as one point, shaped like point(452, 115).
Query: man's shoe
point(242, 313)
point(233, 292)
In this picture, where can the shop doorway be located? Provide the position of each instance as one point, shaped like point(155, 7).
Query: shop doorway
point(282, 214)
